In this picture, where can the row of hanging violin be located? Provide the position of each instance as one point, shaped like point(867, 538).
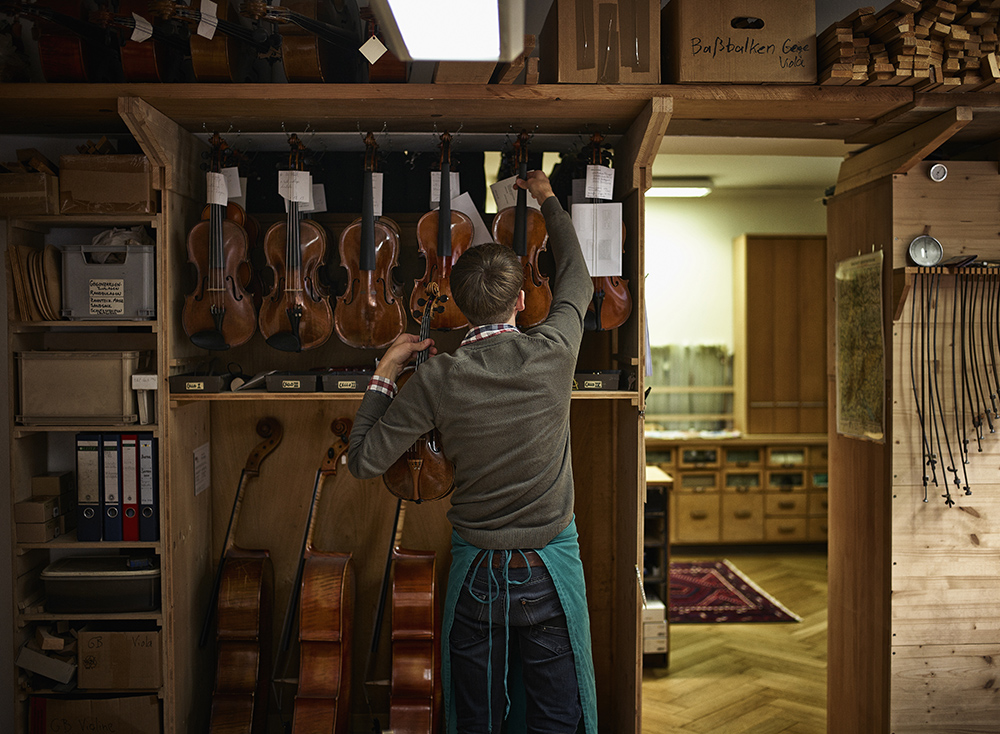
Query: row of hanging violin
point(165, 41)
point(228, 303)
point(321, 604)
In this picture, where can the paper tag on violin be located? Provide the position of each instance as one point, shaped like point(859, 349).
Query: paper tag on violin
point(295, 185)
point(377, 193)
point(599, 229)
point(436, 187)
point(209, 20)
point(316, 203)
point(233, 185)
point(600, 183)
point(373, 50)
point(505, 195)
point(218, 192)
point(143, 29)
point(480, 232)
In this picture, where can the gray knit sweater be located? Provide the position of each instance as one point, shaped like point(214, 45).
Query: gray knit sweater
point(502, 407)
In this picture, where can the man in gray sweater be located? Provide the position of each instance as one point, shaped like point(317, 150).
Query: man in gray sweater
point(502, 405)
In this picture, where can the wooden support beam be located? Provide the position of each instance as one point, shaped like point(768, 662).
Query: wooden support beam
point(169, 146)
point(902, 152)
point(635, 153)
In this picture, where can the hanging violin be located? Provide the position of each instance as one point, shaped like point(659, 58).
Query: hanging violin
point(296, 313)
point(442, 236)
point(523, 228)
point(219, 313)
point(611, 304)
point(423, 472)
point(370, 314)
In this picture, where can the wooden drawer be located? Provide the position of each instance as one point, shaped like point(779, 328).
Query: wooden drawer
point(742, 517)
point(785, 529)
point(784, 480)
point(741, 482)
point(818, 504)
point(819, 455)
point(819, 479)
point(662, 456)
point(818, 529)
point(787, 455)
point(742, 457)
point(699, 457)
point(785, 504)
point(696, 482)
point(696, 518)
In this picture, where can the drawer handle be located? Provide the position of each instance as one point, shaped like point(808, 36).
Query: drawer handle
point(743, 515)
point(786, 505)
point(743, 490)
point(699, 490)
point(698, 515)
point(786, 530)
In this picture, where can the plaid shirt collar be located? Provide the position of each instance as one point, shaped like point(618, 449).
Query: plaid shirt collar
point(478, 333)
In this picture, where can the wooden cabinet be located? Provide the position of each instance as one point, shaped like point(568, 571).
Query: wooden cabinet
point(779, 356)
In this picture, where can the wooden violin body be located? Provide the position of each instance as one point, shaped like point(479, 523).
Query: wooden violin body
point(438, 268)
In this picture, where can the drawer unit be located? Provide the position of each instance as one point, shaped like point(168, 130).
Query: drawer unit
point(742, 457)
point(786, 481)
point(696, 518)
point(699, 457)
point(818, 529)
point(785, 529)
point(819, 479)
point(818, 504)
point(787, 455)
point(742, 517)
point(819, 456)
point(696, 482)
point(661, 457)
point(742, 482)
point(785, 504)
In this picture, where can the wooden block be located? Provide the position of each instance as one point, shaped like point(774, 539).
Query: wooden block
point(464, 72)
point(508, 72)
point(48, 641)
point(531, 70)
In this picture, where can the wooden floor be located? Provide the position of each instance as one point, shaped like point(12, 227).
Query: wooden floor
point(753, 678)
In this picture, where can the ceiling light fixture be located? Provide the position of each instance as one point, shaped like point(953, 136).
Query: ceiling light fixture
point(680, 187)
point(443, 30)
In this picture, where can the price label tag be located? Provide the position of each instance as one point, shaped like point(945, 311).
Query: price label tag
point(209, 20)
point(143, 30)
point(218, 192)
point(436, 187)
point(233, 182)
point(295, 185)
point(373, 49)
point(377, 192)
point(505, 195)
point(600, 182)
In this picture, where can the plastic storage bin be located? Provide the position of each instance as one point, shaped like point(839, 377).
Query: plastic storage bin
point(121, 288)
point(71, 388)
point(102, 584)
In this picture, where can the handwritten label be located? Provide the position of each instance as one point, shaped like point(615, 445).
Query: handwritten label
point(373, 49)
point(317, 200)
point(291, 385)
point(600, 183)
point(143, 29)
point(453, 181)
point(599, 229)
point(505, 195)
point(202, 469)
point(218, 190)
point(234, 184)
point(107, 296)
point(790, 55)
point(194, 386)
point(295, 185)
point(209, 21)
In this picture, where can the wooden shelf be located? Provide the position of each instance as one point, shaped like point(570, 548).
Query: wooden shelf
point(88, 220)
point(22, 327)
point(69, 540)
point(156, 617)
point(22, 431)
point(258, 395)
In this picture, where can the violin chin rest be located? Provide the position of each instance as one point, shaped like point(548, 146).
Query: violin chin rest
point(210, 339)
point(286, 341)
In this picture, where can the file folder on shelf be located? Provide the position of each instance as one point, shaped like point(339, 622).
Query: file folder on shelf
point(130, 487)
point(149, 497)
point(111, 453)
point(90, 517)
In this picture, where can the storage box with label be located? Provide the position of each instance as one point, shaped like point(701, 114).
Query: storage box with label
point(76, 388)
point(52, 484)
point(119, 660)
point(112, 282)
point(349, 380)
point(739, 42)
point(292, 382)
point(86, 584)
point(43, 532)
point(610, 42)
point(41, 509)
point(122, 715)
point(106, 184)
point(29, 193)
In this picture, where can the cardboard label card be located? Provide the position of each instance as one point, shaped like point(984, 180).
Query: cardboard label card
point(209, 21)
point(600, 182)
point(295, 185)
point(599, 229)
point(143, 29)
point(373, 49)
point(505, 195)
point(436, 187)
point(218, 191)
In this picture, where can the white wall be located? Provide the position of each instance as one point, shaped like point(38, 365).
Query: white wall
point(689, 262)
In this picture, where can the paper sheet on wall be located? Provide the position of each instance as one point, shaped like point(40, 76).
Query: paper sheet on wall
point(599, 229)
point(505, 195)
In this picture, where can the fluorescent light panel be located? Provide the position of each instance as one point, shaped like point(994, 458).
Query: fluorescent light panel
point(680, 187)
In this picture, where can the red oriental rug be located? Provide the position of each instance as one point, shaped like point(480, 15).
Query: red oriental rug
point(716, 591)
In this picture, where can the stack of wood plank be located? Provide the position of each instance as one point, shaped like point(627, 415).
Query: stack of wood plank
point(928, 44)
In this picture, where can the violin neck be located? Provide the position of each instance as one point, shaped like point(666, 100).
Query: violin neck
point(368, 224)
point(520, 236)
point(444, 212)
point(293, 250)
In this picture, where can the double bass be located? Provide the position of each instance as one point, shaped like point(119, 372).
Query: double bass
point(442, 236)
point(423, 472)
point(523, 228)
point(244, 590)
point(296, 314)
point(370, 314)
point(219, 313)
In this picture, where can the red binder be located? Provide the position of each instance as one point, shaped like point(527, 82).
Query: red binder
point(130, 487)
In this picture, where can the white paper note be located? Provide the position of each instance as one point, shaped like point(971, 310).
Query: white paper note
point(377, 193)
point(233, 182)
point(373, 49)
point(436, 187)
point(599, 229)
point(480, 232)
point(317, 200)
point(295, 185)
point(600, 183)
point(143, 29)
point(218, 193)
point(209, 21)
point(505, 195)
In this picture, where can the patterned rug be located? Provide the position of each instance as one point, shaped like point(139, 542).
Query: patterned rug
point(716, 591)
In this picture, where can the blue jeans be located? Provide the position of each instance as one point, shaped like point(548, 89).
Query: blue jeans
point(538, 637)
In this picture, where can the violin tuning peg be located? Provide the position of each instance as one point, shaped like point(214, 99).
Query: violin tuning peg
point(443, 299)
point(417, 315)
point(421, 301)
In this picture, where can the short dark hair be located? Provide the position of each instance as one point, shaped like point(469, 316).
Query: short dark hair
point(485, 283)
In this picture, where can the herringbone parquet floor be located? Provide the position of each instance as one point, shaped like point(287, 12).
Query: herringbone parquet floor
point(748, 678)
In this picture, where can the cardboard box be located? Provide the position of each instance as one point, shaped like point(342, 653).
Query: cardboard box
point(30, 658)
point(29, 193)
point(654, 644)
point(653, 629)
point(39, 532)
point(43, 509)
point(608, 42)
point(739, 42)
point(119, 660)
point(654, 611)
point(52, 484)
point(106, 184)
point(125, 715)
